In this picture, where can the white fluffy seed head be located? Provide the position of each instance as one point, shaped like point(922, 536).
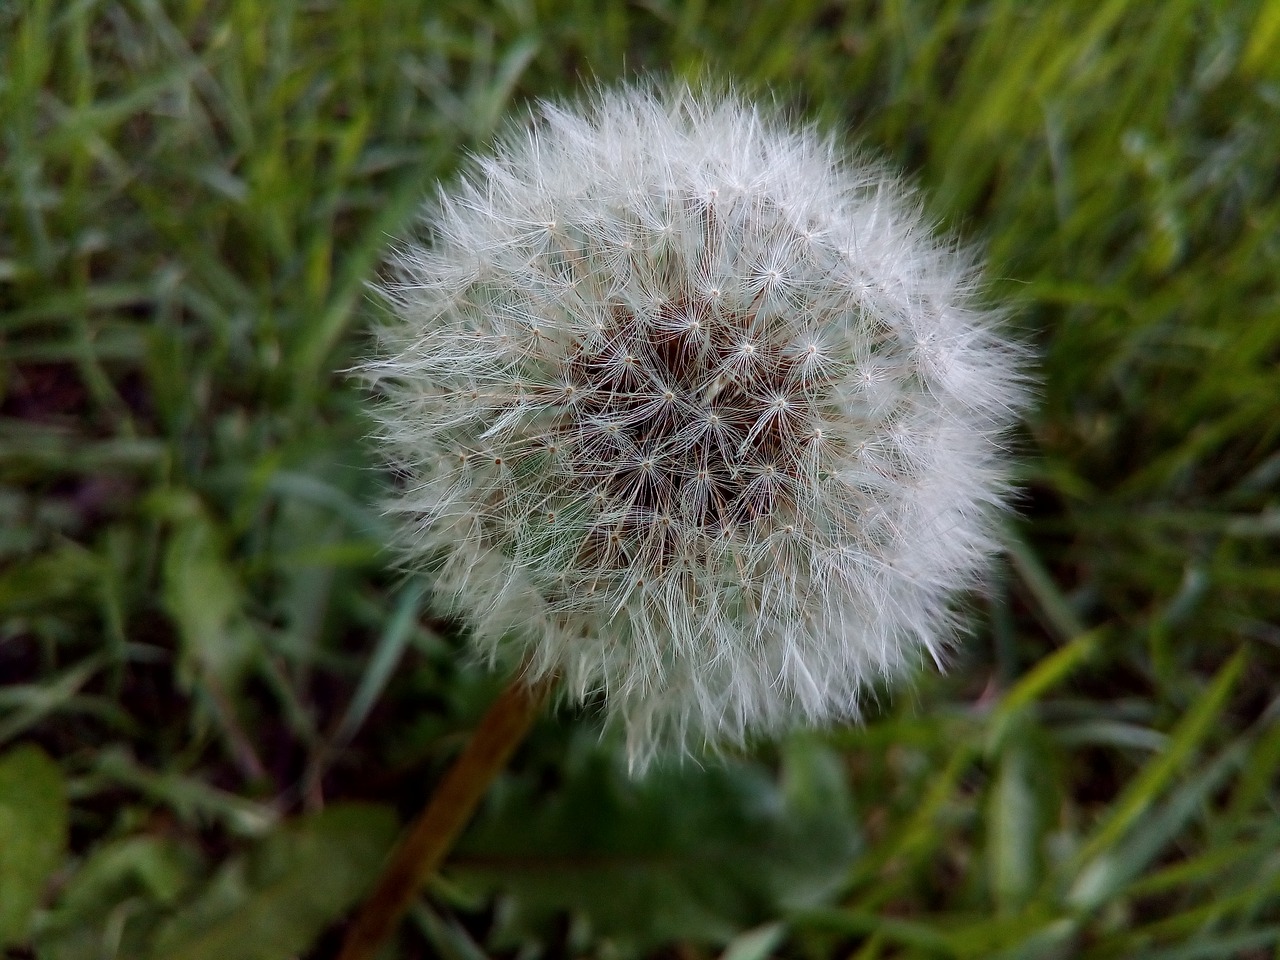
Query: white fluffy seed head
point(693, 410)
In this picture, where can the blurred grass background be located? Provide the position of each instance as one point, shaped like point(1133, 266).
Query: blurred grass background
point(216, 700)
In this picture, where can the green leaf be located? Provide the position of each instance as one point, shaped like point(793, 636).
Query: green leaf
point(1141, 793)
point(382, 662)
point(118, 896)
point(684, 854)
point(1045, 675)
point(272, 903)
point(757, 944)
point(190, 797)
point(1106, 876)
point(33, 835)
point(448, 938)
point(203, 594)
point(1017, 817)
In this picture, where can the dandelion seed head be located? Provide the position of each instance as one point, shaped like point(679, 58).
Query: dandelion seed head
point(692, 409)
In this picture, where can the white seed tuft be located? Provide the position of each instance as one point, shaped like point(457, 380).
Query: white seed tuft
point(692, 410)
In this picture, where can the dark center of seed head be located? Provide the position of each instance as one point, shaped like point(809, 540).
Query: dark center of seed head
point(723, 386)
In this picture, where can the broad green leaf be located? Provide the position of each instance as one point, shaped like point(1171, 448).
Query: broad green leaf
point(272, 903)
point(205, 598)
point(33, 835)
point(684, 854)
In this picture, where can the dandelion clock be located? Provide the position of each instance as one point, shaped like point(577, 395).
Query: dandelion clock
point(693, 413)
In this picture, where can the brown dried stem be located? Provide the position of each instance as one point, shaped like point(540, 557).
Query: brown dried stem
point(429, 838)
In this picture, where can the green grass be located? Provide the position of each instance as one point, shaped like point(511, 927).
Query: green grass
point(202, 646)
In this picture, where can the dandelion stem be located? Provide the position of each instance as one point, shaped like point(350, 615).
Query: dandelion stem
point(428, 839)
